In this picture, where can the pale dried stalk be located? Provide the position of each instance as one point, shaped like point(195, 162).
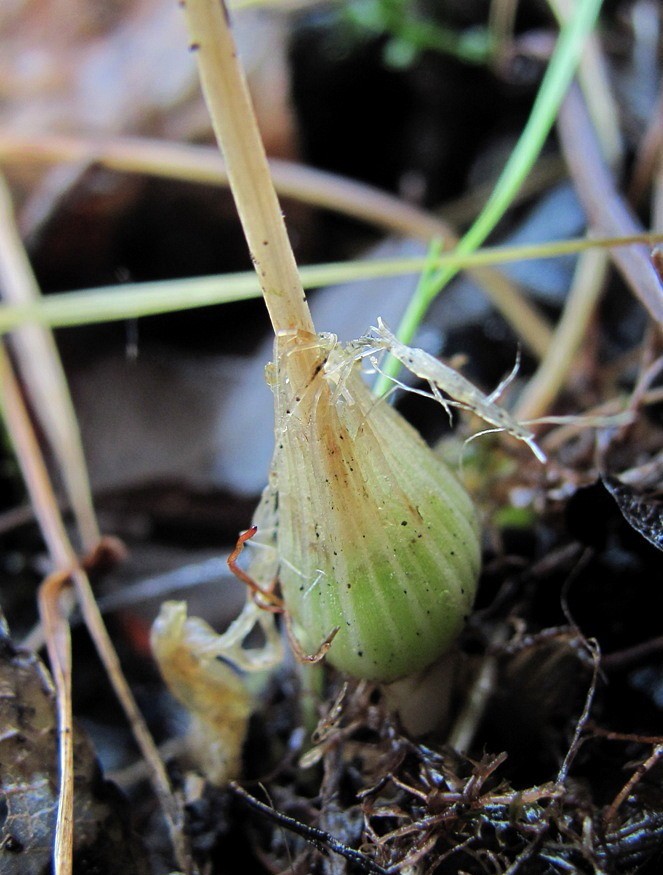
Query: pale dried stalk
point(42, 370)
point(33, 468)
point(64, 559)
point(605, 207)
point(53, 531)
point(229, 104)
point(594, 80)
point(326, 190)
point(310, 185)
point(56, 630)
point(593, 265)
point(547, 382)
point(204, 165)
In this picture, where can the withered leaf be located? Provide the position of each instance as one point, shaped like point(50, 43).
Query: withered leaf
point(29, 780)
point(642, 509)
point(28, 762)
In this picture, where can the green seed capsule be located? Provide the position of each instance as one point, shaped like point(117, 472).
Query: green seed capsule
point(376, 537)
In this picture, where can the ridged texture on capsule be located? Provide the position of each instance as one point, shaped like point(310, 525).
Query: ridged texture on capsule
point(375, 535)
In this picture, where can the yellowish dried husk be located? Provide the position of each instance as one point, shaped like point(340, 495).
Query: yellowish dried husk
point(217, 699)
point(376, 537)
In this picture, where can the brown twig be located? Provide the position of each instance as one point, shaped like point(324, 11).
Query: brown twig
point(655, 757)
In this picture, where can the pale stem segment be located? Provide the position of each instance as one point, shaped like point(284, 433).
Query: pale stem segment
point(229, 104)
point(63, 556)
point(58, 638)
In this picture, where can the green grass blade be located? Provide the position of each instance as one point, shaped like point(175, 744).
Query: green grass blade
point(135, 300)
point(556, 81)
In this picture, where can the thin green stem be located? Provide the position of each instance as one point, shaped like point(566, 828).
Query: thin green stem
point(134, 300)
point(330, 191)
point(556, 81)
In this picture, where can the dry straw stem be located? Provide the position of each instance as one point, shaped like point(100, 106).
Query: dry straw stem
point(65, 561)
point(204, 165)
point(542, 388)
point(36, 477)
point(56, 630)
point(229, 104)
point(594, 80)
point(32, 465)
point(593, 265)
point(43, 374)
point(606, 209)
point(326, 190)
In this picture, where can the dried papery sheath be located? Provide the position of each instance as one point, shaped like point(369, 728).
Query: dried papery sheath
point(375, 536)
point(203, 669)
point(213, 693)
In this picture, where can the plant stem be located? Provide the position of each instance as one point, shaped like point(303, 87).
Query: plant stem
point(56, 631)
point(606, 209)
point(547, 382)
point(135, 300)
point(233, 119)
point(28, 453)
point(329, 191)
point(42, 372)
point(555, 83)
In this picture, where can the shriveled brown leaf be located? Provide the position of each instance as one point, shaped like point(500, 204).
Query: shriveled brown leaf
point(28, 753)
point(29, 780)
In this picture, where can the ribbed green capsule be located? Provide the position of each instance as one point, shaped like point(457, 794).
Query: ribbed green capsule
point(375, 536)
